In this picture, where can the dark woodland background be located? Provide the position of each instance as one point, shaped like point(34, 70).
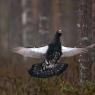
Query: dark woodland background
point(32, 23)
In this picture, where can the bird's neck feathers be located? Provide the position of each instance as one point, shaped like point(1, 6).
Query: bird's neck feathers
point(57, 37)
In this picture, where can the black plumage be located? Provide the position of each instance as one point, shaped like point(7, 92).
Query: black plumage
point(37, 70)
point(54, 51)
point(50, 66)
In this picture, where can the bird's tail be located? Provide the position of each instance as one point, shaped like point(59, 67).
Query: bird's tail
point(37, 70)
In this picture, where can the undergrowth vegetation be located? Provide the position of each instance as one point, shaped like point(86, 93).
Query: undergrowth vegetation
point(13, 82)
point(38, 86)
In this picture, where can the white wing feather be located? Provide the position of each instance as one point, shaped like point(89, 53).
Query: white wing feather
point(31, 52)
point(68, 51)
point(39, 52)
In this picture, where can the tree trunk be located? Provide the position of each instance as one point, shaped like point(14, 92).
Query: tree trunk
point(44, 24)
point(85, 34)
point(15, 25)
point(69, 17)
point(56, 15)
point(27, 22)
point(4, 23)
point(93, 39)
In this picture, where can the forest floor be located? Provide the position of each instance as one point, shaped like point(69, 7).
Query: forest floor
point(15, 80)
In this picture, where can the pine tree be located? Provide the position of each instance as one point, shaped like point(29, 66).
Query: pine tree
point(85, 32)
point(93, 39)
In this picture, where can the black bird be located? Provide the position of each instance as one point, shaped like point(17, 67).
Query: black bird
point(51, 54)
point(54, 51)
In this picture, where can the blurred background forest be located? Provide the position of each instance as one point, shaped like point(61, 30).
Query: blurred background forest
point(32, 23)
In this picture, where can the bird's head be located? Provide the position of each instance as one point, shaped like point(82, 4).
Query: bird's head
point(58, 33)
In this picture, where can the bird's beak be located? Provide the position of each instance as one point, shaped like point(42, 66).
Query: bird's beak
point(60, 31)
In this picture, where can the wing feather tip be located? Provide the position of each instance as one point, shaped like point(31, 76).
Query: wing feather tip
point(17, 49)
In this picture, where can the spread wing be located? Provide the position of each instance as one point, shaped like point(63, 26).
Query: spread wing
point(31, 52)
point(39, 52)
point(68, 51)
